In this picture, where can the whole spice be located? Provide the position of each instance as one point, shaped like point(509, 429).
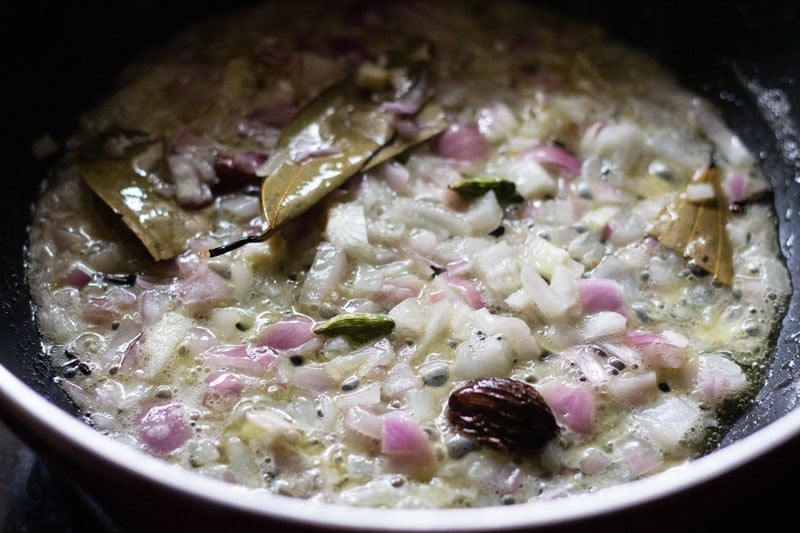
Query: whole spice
point(502, 413)
point(358, 327)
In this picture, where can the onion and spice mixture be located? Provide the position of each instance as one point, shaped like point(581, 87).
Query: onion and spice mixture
point(407, 255)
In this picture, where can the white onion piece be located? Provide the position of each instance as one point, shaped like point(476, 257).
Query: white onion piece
point(268, 423)
point(400, 379)
point(347, 228)
point(495, 121)
point(380, 354)
point(229, 322)
point(203, 290)
point(313, 377)
point(242, 206)
point(635, 390)
point(484, 214)
point(328, 270)
point(367, 395)
point(497, 268)
point(427, 215)
point(622, 144)
point(110, 307)
point(438, 320)
point(603, 324)
point(243, 463)
point(409, 317)
point(467, 289)
point(550, 304)
point(423, 241)
point(717, 378)
point(668, 420)
point(665, 350)
point(529, 177)
point(555, 157)
point(152, 306)
point(544, 256)
point(639, 457)
point(594, 461)
point(251, 359)
point(583, 359)
point(396, 176)
point(161, 340)
point(481, 356)
point(363, 422)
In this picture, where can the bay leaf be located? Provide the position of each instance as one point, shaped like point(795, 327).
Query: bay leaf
point(341, 132)
point(157, 220)
point(698, 230)
point(430, 122)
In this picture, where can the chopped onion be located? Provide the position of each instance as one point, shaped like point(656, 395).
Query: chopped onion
point(203, 290)
point(164, 428)
point(659, 350)
point(368, 395)
point(717, 378)
point(668, 421)
point(597, 294)
point(594, 461)
point(497, 266)
point(364, 422)
point(639, 456)
point(224, 383)
point(468, 290)
point(555, 157)
point(461, 141)
point(603, 324)
point(406, 447)
point(401, 435)
point(496, 121)
point(287, 333)
point(583, 359)
point(314, 378)
point(329, 268)
point(78, 276)
point(550, 304)
point(253, 359)
point(400, 379)
point(634, 390)
point(572, 405)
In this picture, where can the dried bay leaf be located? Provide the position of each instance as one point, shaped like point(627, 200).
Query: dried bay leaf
point(341, 132)
point(157, 221)
point(698, 229)
point(430, 121)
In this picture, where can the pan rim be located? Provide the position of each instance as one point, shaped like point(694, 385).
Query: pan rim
point(42, 424)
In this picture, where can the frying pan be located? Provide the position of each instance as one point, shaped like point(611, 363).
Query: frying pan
point(743, 56)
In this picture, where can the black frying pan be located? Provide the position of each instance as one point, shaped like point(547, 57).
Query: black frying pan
point(743, 56)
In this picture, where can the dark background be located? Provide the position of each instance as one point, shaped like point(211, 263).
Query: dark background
point(59, 58)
